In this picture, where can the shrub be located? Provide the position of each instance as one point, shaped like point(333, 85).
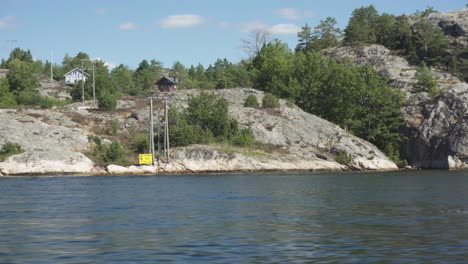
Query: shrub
point(270, 101)
point(114, 152)
point(107, 101)
point(243, 138)
point(114, 125)
point(251, 101)
point(140, 143)
point(11, 148)
point(343, 157)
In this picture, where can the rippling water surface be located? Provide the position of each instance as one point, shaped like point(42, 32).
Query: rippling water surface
point(397, 217)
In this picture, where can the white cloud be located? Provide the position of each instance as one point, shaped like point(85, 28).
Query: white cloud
point(293, 13)
point(7, 22)
point(284, 29)
point(253, 25)
point(128, 26)
point(182, 21)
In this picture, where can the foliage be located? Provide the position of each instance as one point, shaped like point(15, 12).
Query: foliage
point(270, 101)
point(304, 38)
point(326, 35)
point(140, 142)
point(7, 99)
point(343, 157)
point(209, 112)
point(354, 97)
point(113, 152)
point(251, 101)
point(11, 148)
point(21, 55)
point(107, 101)
point(145, 76)
point(361, 25)
point(114, 126)
point(255, 41)
point(206, 120)
point(426, 82)
point(243, 138)
point(273, 66)
point(20, 77)
point(182, 133)
point(431, 41)
point(122, 78)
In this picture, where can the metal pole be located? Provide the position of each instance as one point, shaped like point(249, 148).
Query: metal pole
point(152, 130)
point(82, 84)
point(159, 134)
point(94, 88)
point(166, 128)
point(151, 136)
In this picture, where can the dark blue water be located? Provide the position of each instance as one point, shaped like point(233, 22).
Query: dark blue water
point(397, 217)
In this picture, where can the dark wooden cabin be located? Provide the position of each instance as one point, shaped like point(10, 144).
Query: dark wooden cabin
point(167, 84)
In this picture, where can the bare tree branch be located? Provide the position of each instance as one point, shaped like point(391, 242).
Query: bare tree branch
point(254, 42)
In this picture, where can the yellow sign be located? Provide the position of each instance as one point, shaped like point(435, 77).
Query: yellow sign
point(145, 159)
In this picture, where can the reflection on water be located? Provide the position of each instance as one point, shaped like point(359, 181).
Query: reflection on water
point(406, 217)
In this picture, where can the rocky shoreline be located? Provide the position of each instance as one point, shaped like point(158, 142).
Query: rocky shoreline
point(56, 141)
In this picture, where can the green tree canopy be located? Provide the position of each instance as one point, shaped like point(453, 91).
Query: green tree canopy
point(304, 38)
point(122, 78)
point(361, 25)
point(326, 34)
point(20, 77)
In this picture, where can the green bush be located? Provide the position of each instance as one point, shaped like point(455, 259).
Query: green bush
point(140, 143)
point(114, 152)
point(114, 126)
point(244, 138)
point(251, 101)
point(107, 101)
point(343, 157)
point(11, 148)
point(270, 101)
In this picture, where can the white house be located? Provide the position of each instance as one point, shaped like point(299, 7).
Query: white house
point(75, 75)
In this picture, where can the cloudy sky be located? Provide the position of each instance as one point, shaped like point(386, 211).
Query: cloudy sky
point(189, 31)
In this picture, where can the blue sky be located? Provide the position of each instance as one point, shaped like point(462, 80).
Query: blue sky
point(188, 31)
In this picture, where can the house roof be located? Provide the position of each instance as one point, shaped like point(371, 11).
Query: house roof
point(172, 80)
point(82, 72)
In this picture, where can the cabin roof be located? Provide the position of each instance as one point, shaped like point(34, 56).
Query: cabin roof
point(82, 72)
point(170, 80)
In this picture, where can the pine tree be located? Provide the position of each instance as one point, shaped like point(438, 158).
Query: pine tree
point(304, 38)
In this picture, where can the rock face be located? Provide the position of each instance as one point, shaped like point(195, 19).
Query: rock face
point(436, 128)
point(49, 148)
point(454, 24)
point(54, 140)
point(302, 141)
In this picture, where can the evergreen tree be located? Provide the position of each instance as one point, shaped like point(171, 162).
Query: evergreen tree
point(7, 99)
point(122, 78)
point(20, 77)
point(304, 38)
point(361, 26)
point(326, 35)
point(431, 40)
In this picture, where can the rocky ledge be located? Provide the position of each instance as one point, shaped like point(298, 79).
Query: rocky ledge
point(55, 140)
